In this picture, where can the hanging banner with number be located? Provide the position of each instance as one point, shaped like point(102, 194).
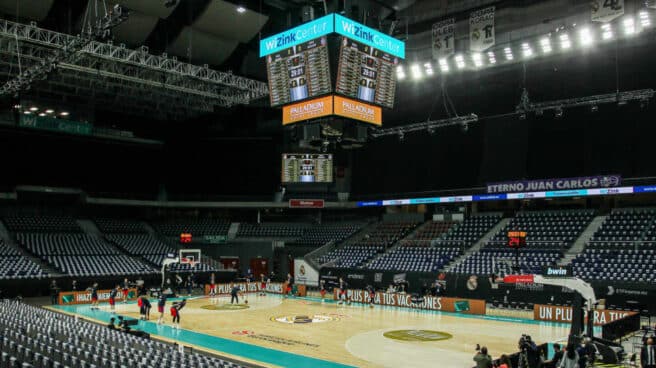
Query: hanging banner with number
point(606, 10)
point(444, 38)
point(481, 29)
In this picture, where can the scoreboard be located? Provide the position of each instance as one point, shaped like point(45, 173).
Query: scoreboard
point(366, 73)
point(299, 72)
point(307, 168)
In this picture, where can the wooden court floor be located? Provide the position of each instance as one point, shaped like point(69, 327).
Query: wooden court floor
point(356, 335)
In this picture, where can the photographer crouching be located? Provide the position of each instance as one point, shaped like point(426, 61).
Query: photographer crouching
point(482, 358)
point(529, 356)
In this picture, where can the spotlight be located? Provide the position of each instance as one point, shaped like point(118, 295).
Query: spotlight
point(509, 54)
point(546, 45)
point(428, 67)
point(17, 106)
point(478, 60)
point(42, 114)
point(460, 61)
point(565, 42)
point(416, 71)
point(34, 108)
point(64, 113)
point(491, 57)
point(444, 65)
point(558, 113)
point(240, 9)
point(400, 73)
point(49, 111)
point(526, 50)
point(629, 26)
point(644, 19)
point(585, 36)
point(607, 32)
point(27, 112)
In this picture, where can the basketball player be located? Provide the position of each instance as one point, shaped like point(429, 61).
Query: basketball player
point(126, 289)
point(263, 284)
point(234, 294)
point(212, 287)
point(372, 294)
point(94, 296)
point(140, 303)
point(322, 285)
point(342, 292)
point(290, 284)
point(175, 312)
point(161, 302)
point(112, 297)
point(146, 308)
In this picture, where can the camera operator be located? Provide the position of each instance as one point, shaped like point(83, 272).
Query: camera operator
point(528, 353)
point(553, 362)
point(482, 359)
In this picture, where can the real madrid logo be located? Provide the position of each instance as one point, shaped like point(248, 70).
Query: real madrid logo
point(315, 318)
point(472, 283)
point(476, 34)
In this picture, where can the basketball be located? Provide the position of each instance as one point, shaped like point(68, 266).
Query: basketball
point(246, 302)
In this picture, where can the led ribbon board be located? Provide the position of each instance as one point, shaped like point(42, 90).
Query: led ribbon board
point(297, 35)
point(369, 36)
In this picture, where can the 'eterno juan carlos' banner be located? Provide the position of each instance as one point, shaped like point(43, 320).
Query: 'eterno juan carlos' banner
point(554, 313)
point(467, 306)
point(84, 297)
point(584, 182)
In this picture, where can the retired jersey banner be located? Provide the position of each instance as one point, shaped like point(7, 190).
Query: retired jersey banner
point(460, 305)
point(481, 29)
point(444, 38)
point(563, 314)
point(606, 10)
point(84, 297)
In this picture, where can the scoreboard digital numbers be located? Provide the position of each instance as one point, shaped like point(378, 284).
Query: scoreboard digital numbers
point(307, 168)
point(366, 73)
point(299, 72)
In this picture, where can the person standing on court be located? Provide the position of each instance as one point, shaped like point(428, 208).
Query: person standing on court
point(648, 354)
point(54, 293)
point(234, 294)
point(482, 359)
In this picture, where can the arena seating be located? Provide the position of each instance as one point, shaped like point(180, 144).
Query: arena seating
point(140, 244)
point(469, 231)
point(358, 251)
point(420, 259)
point(158, 259)
point(550, 233)
point(624, 227)
point(271, 230)
point(14, 266)
point(196, 227)
point(119, 226)
point(40, 223)
point(37, 338)
point(318, 235)
point(545, 229)
point(428, 233)
point(626, 265)
point(81, 255)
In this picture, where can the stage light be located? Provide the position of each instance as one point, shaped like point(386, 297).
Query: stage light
point(42, 114)
point(460, 61)
point(607, 32)
point(400, 73)
point(428, 67)
point(491, 57)
point(27, 112)
point(629, 26)
point(509, 54)
point(64, 113)
point(240, 9)
point(565, 42)
point(34, 108)
point(585, 36)
point(49, 111)
point(644, 19)
point(415, 70)
point(545, 43)
point(444, 65)
point(17, 106)
point(526, 50)
point(478, 60)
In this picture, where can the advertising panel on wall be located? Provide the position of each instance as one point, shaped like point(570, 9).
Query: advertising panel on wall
point(553, 313)
point(305, 274)
point(251, 287)
point(460, 305)
point(84, 297)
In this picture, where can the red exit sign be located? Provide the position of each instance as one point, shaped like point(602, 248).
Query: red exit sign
point(306, 203)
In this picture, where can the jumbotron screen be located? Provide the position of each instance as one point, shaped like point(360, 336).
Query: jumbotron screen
point(299, 72)
point(307, 168)
point(366, 73)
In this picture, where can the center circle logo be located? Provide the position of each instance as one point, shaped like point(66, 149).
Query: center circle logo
point(301, 319)
point(225, 307)
point(417, 335)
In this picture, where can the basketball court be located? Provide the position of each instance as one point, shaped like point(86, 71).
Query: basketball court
point(305, 332)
